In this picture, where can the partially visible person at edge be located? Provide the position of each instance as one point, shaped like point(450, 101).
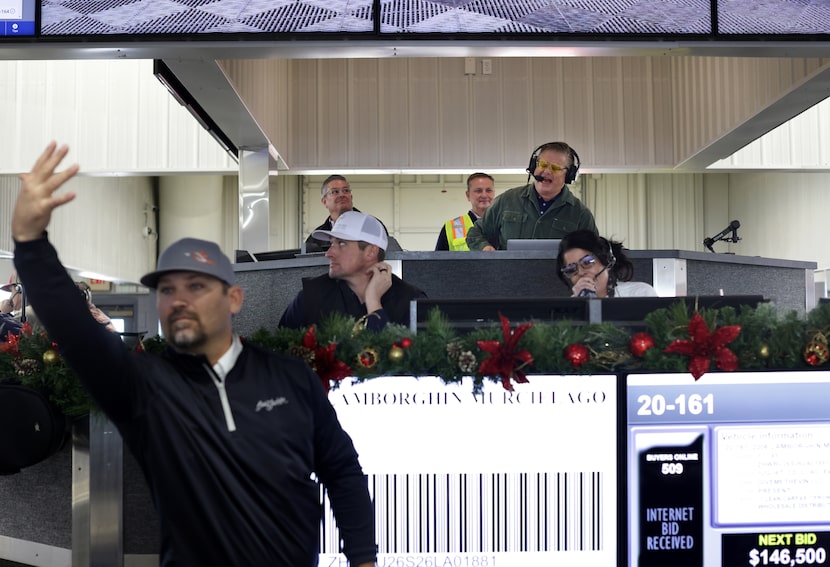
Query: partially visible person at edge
point(544, 208)
point(227, 434)
point(102, 318)
point(13, 308)
point(480, 193)
point(9, 324)
point(359, 283)
point(593, 266)
point(337, 198)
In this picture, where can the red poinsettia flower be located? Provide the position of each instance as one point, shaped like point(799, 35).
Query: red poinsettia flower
point(324, 363)
point(504, 361)
point(705, 345)
point(12, 345)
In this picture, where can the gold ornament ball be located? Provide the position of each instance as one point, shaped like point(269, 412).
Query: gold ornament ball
point(50, 356)
point(396, 354)
point(763, 352)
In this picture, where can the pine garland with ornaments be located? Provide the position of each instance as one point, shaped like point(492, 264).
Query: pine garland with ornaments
point(507, 352)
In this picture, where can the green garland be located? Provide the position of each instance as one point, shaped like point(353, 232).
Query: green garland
point(767, 340)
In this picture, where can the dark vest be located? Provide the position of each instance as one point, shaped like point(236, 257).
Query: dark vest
point(323, 295)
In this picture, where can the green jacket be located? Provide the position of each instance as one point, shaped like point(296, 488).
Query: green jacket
point(515, 214)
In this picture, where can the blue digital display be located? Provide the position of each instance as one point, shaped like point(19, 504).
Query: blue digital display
point(17, 18)
point(730, 469)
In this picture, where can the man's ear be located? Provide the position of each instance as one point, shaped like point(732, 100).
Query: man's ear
point(237, 297)
point(372, 252)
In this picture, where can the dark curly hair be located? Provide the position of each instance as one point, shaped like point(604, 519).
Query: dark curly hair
point(608, 252)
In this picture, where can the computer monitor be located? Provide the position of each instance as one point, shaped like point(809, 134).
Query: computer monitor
point(466, 314)
point(245, 256)
point(534, 244)
point(632, 311)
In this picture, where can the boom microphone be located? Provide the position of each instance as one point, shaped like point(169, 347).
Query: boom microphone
point(734, 225)
point(722, 235)
point(537, 177)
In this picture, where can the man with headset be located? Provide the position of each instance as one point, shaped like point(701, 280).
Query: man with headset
point(545, 208)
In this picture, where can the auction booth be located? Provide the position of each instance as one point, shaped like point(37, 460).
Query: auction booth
point(638, 469)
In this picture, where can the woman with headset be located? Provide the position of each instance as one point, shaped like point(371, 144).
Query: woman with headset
point(593, 266)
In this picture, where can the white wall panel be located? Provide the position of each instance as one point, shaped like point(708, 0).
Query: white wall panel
point(285, 222)
point(715, 95)
point(393, 109)
point(333, 105)
point(550, 115)
point(606, 107)
point(364, 118)
point(424, 124)
point(673, 210)
point(800, 143)
point(103, 230)
point(454, 113)
point(510, 82)
point(270, 78)
point(115, 116)
point(782, 215)
point(427, 113)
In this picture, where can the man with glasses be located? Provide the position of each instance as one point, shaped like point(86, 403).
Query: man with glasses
point(544, 208)
point(337, 199)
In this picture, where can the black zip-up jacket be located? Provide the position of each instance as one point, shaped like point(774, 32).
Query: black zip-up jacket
point(323, 295)
point(244, 497)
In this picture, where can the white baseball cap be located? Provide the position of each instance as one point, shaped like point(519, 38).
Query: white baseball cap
point(356, 226)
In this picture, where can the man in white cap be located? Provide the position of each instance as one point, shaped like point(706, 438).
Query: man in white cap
point(359, 283)
point(230, 436)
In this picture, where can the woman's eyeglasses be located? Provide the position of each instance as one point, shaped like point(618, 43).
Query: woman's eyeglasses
point(586, 262)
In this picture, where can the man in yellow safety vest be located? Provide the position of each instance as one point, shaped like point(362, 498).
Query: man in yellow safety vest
point(480, 194)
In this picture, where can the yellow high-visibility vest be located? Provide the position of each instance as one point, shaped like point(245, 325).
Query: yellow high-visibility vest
point(456, 230)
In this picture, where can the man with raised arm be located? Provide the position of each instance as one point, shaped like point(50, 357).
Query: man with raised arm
point(228, 435)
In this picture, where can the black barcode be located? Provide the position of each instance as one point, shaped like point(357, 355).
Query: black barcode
point(481, 513)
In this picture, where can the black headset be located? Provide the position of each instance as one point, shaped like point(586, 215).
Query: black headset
point(85, 290)
point(612, 260)
point(570, 173)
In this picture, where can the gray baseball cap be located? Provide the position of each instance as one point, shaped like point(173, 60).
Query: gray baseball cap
point(192, 255)
point(353, 225)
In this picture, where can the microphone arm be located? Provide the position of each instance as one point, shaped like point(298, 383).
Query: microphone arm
point(22, 291)
point(724, 235)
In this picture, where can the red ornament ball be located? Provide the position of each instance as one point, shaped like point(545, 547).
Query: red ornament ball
point(368, 357)
point(640, 343)
point(577, 354)
point(816, 353)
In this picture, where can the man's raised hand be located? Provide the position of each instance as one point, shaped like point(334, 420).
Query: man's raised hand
point(37, 198)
